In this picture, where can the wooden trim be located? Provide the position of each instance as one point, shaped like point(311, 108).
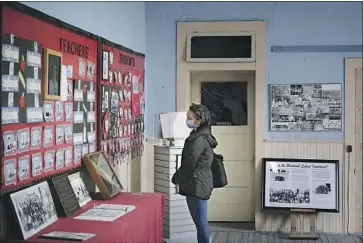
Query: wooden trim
point(351, 64)
point(183, 91)
point(47, 96)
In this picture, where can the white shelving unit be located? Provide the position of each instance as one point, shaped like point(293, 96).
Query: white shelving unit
point(177, 224)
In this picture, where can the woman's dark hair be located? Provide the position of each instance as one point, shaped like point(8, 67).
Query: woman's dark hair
point(202, 114)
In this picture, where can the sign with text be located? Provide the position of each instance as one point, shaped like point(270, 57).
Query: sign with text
point(301, 184)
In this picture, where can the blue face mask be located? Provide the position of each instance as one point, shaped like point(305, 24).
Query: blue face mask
point(190, 124)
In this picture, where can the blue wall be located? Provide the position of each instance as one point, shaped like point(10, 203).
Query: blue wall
point(288, 23)
point(119, 22)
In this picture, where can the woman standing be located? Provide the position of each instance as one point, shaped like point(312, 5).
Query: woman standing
point(194, 177)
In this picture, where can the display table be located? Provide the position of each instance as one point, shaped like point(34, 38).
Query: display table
point(143, 225)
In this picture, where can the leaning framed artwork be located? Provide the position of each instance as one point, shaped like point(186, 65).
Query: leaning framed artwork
point(300, 184)
point(52, 85)
point(102, 174)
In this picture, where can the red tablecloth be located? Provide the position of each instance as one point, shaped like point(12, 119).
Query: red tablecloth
point(142, 225)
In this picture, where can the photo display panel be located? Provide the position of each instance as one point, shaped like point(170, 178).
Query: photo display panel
point(38, 130)
point(301, 184)
point(305, 107)
point(122, 105)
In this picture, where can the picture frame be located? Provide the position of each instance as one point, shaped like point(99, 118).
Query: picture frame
point(37, 196)
point(102, 174)
point(52, 74)
point(295, 184)
point(310, 107)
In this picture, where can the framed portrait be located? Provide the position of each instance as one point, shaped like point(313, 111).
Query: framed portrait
point(102, 174)
point(300, 184)
point(52, 75)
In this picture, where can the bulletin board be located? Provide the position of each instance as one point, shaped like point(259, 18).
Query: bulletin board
point(121, 123)
point(45, 128)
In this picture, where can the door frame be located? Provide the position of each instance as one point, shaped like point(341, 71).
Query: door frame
point(183, 82)
point(351, 64)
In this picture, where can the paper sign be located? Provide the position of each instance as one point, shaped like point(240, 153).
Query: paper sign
point(64, 83)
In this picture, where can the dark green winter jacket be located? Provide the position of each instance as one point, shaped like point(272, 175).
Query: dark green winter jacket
point(194, 177)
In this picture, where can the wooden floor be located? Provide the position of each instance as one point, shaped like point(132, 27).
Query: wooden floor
point(236, 233)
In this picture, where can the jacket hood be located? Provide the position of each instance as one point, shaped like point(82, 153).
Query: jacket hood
point(205, 131)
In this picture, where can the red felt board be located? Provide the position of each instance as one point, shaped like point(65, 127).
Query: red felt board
point(60, 40)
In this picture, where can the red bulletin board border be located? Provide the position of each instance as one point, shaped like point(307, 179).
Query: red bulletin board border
point(57, 39)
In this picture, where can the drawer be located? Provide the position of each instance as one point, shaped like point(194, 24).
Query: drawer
point(175, 203)
point(172, 197)
point(177, 216)
point(166, 164)
point(168, 150)
point(167, 190)
point(178, 222)
point(168, 171)
point(168, 157)
point(177, 229)
point(162, 176)
point(182, 235)
point(164, 183)
point(171, 210)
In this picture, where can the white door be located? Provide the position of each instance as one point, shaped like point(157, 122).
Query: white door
point(353, 137)
point(235, 202)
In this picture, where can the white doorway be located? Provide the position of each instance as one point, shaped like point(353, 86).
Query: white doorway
point(230, 97)
point(353, 138)
point(257, 66)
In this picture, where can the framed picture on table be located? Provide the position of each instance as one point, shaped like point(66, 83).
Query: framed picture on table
point(102, 174)
point(52, 80)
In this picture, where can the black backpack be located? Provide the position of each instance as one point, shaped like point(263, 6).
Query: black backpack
point(218, 171)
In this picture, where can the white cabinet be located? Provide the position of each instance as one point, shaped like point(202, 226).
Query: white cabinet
point(177, 222)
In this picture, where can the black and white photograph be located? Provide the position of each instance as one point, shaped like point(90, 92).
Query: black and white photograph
point(23, 140)
point(68, 134)
point(37, 164)
point(9, 172)
point(306, 107)
point(77, 154)
point(68, 157)
point(105, 65)
point(69, 111)
point(36, 137)
point(279, 175)
point(323, 189)
point(48, 136)
point(49, 160)
point(80, 191)
point(90, 70)
point(290, 196)
point(48, 111)
point(53, 66)
point(23, 167)
point(59, 111)
point(34, 209)
point(59, 134)
point(59, 159)
point(10, 143)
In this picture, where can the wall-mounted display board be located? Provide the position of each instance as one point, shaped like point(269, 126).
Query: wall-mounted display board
point(121, 121)
point(48, 99)
point(300, 184)
point(305, 107)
